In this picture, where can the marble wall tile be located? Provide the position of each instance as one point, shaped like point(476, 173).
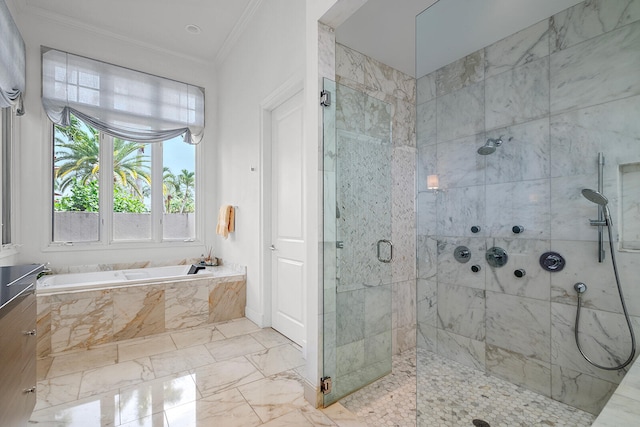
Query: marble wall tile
point(583, 266)
point(404, 338)
point(461, 113)
point(629, 206)
point(517, 96)
point(350, 317)
point(519, 369)
point(378, 348)
point(138, 312)
point(458, 164)
point(427, 302)
point(378, 119)
point(461, 349)
point(459, 209)
point(427, 257)
point(404, 124)
point(520, 48)
point(350, 357)
point(460, 73)
point(186, 307)
point(577, 137)
point(426, 213)
point(81, 321)
point(378, 302)
point(519, 324)
point(404, 297)
point(426, 88)
point(523, 254)
point(349, 64)
point(426, 163)
point(455, 273)
point(579, 390)
point(590, 19)
point(426, 123)
point(326, 51)
point(403, 214)
point(571, 212)
point(227, 300)
point(583, 75)
point(524, 203)
point(383, 78)
point(461, 310)
point(604, 337)
point(524, 155)
point(43, 327)
point(350, 110)
point(427, 337)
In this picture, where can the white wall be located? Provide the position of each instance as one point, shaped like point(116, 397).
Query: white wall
point(35, 168)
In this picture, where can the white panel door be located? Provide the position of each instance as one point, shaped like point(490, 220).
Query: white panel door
point(287, 265)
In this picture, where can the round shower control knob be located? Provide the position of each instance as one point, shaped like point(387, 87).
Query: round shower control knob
point(580, 287)
point(520, 272)
point(475, 229)
point(517, 229)
point(476, 268)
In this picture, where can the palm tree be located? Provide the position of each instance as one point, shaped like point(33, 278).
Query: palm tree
point(187, 182)
point(79, 157)
point(170, 188)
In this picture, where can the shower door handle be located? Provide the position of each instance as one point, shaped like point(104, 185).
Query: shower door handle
point(388, 242)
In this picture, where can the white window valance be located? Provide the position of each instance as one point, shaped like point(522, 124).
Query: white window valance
point(124, 103)
point(12, 62)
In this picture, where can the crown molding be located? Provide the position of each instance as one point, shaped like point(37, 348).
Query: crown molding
point(238, 29)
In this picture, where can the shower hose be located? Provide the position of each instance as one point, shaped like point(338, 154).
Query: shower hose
point(624, 309)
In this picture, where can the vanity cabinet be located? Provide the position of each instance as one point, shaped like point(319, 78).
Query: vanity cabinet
point(18, 351)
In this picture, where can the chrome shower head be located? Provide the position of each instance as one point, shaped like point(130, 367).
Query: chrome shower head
point(490, 146)
point(595, 197)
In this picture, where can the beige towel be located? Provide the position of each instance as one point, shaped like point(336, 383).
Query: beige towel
point(226, 221)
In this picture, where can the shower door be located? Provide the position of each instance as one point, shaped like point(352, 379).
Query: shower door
point(357, 250)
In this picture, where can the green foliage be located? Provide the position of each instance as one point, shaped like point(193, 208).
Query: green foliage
point(84, 197)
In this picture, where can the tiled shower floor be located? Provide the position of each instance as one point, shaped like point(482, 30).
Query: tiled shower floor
point(453, 395)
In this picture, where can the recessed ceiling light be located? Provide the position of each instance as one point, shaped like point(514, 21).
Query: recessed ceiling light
point(193, 29)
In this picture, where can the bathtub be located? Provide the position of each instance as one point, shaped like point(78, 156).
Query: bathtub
point(99, 279)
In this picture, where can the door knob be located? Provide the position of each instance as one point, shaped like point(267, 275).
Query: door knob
point(272, 247)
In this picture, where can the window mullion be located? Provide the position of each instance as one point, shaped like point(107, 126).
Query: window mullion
point(157, 198)
point(106, 188)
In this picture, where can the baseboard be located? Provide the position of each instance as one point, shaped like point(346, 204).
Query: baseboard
point(312, 394)
point(254, 316)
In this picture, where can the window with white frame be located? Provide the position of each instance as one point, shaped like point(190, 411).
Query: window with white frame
point(122, 171)
point(107, 189)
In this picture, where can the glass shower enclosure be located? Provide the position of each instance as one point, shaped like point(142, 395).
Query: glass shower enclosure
point(358, 252)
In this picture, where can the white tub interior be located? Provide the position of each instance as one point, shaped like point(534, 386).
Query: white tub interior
point(78, 281)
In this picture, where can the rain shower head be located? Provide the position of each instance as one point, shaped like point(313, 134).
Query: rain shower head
point(490, 146)
point(595, 197)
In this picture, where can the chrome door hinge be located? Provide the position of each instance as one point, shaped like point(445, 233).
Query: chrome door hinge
point(325, 98)
point(325, 385)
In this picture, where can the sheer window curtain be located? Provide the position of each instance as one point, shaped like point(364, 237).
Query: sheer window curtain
point(121, 102)
point(12, 62)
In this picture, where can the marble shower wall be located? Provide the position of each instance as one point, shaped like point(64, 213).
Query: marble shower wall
point(380, 82)
point(558, 92)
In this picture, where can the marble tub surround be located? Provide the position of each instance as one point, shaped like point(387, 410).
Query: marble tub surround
point(88, 268)
point(558, 92)
point(182, 378)
point(80, 320)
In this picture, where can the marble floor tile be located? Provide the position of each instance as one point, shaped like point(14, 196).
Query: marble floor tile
point(99, 411)
point(196, 336)
point(155, 420)
point(113, 377)
point(180, 360)
point(233, 347)
point(228, 409)
point(219, 376)
point(274, 396)
point(58, 390)
point(151, 397)
point(277, 359)
point(64, 364)
point(270, 338)
point(237, 327)
point(292, 419)
point(342, 416)
point(151, 346)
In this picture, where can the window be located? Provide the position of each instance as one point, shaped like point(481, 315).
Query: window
point(6, 127)
point(110, 190)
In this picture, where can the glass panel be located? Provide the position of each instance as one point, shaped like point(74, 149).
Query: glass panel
point(76, 155)
point(131, 190)
point(357, 234)
point(179, 189)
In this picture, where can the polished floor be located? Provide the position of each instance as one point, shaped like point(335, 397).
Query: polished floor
point(230, 374)
point(236, 374)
